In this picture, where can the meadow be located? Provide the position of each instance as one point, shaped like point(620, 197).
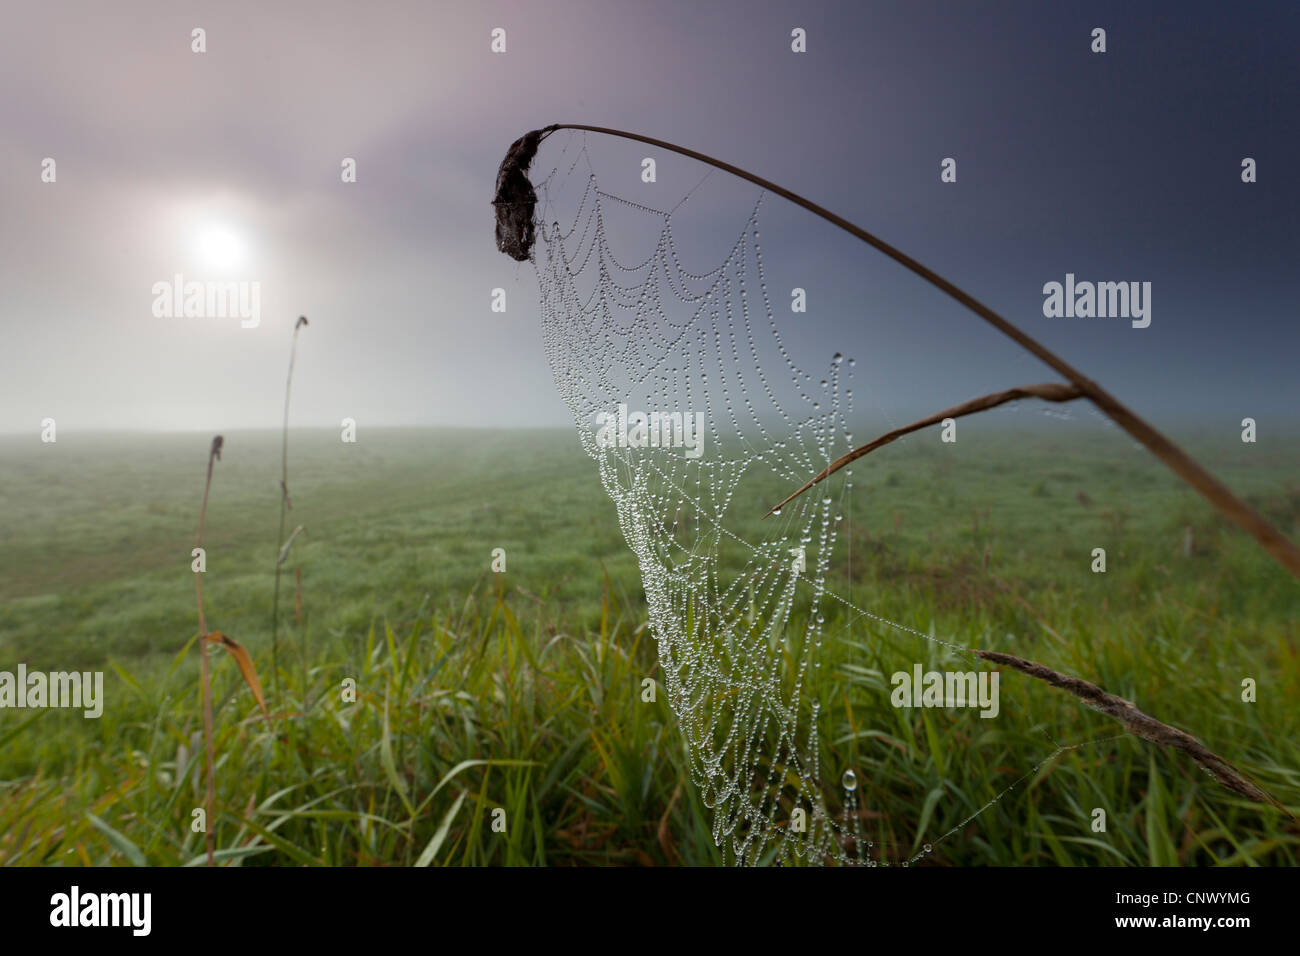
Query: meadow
point(521, 691)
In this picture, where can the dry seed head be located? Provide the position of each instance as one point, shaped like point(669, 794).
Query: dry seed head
point(515, 197)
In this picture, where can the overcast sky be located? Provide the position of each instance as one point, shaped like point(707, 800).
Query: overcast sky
point(1122, 166)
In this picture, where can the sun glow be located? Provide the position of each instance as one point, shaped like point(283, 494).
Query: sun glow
point(220, 247)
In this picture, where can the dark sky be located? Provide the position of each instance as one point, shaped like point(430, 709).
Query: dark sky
point(1121, 166)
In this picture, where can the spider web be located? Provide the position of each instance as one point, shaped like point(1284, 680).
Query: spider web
point(737, 604)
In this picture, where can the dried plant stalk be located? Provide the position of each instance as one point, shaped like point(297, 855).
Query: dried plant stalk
point(1139, 724)
point(214, 454)
point(286, 504)
point(1051, 392)
point(514, 207)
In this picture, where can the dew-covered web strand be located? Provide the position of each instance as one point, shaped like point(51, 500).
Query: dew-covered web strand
point(734, 678)
point(1057, 747)
point(714, 775)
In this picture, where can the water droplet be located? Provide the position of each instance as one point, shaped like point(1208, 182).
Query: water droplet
point(849, 780)
point(837, 358)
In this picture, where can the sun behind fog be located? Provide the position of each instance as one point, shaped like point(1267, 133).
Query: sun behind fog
point(220, 247)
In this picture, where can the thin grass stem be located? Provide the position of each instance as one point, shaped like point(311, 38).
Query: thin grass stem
point(214, 455)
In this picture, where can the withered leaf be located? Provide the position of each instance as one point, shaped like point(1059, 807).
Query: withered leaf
point(245, 661)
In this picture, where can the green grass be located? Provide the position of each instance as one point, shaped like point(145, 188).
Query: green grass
point(522, 692)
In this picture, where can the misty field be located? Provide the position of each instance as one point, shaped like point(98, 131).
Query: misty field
point(478, 692)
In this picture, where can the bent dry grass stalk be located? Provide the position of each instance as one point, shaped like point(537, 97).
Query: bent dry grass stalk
point(1050, 392)
point(514, 204)
point(1139, 724)
point(515, 200)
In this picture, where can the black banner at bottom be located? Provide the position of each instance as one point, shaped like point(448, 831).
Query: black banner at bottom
point(267, 906)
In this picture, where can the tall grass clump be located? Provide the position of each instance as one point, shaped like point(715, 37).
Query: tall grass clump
point(527, 696)
point(496, 705)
